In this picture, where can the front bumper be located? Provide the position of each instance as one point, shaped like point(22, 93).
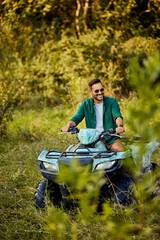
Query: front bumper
point(50, 175)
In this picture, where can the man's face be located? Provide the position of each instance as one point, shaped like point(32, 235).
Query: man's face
point(97, 92)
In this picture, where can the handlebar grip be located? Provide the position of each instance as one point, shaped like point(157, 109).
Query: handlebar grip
point(73, 129)
point(111, 131)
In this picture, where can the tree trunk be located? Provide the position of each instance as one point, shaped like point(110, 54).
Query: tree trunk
point(85, 15)
point(77, 18)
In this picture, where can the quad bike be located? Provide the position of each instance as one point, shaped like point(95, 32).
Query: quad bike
point(92, 152)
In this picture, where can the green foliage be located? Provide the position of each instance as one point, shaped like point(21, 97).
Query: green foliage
point(143, 116)
point(36, 22)
point(54, 74)
point(6, 109)
point(54, 66)
point(132, 17)
point(31, 124)
point(52, 78)
point(10, 88)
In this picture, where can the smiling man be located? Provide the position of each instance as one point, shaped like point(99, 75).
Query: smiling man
point(100, 112)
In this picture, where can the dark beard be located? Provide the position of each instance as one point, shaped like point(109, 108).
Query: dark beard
point(99, 99)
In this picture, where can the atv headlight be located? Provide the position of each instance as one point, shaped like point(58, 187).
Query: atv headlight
point(50, 166)
point(104, 165)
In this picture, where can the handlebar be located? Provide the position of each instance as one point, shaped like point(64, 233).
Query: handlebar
point(109, 132)
point(72, 130)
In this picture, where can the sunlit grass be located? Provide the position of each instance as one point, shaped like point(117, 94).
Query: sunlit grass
point(40, 123)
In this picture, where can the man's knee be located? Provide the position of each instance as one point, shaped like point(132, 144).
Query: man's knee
point(74, 147)
point(117, 146)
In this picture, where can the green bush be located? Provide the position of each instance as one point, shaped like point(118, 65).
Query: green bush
point(62, 70)
point(10, 87)
point(143, 117)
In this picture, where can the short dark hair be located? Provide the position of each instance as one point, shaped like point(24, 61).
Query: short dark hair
point(92, 82)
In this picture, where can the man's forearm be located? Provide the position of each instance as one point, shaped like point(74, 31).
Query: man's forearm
point(119, 122)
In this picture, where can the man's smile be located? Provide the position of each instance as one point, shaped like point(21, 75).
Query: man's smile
point(100, 95)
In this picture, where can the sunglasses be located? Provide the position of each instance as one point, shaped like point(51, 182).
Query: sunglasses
point(99, 90)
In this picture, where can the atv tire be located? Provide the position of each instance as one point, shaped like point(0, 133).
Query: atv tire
point(54, 193)
point(40, 194)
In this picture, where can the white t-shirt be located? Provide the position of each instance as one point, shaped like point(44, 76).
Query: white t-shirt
point(99, 117)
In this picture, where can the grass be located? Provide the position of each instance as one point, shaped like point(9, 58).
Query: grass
point(18, 177)
point(28, 134)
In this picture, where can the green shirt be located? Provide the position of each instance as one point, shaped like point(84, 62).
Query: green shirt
point(111, 111)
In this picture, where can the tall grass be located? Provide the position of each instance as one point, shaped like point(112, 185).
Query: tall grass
point(29, 133)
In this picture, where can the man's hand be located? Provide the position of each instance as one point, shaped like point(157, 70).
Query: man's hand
point(120, 130)
point(65, 129)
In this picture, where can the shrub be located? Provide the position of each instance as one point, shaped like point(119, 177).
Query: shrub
point(10, 88)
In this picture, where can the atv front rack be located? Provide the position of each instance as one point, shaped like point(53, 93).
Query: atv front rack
point(54, 154)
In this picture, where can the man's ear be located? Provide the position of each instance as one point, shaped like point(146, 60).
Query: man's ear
point(90, 91)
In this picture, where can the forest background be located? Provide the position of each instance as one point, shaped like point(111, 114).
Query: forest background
point(49, 51)
point(40, 42)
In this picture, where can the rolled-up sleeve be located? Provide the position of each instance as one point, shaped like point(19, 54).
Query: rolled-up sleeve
point(78, 117)
point(116, 110)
